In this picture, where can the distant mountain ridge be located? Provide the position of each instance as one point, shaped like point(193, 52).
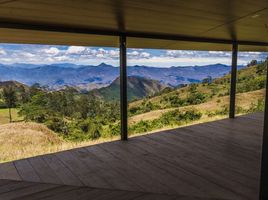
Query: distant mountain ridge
point(88, 77)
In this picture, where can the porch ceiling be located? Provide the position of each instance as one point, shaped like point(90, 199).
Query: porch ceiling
point(72, 21)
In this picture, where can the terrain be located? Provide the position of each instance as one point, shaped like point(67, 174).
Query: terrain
point(66, 118)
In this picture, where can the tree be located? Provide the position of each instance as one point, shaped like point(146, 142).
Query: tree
point(253, 63)
point(207, 80)
point(10, 98)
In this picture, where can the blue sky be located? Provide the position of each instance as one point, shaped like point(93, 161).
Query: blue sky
point(48, 54)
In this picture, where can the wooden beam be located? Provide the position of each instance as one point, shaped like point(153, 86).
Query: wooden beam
point(123, 87)
point(233, 80)
point(264, 164)
point(25, 25)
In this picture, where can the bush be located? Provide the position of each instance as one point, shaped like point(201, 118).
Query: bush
point(56, 124)
point(196, 98)
point(171, 118)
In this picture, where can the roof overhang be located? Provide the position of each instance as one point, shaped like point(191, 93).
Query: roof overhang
point(188, 25)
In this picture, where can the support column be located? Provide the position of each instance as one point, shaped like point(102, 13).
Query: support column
point(233, 81)
point(264, 164)
point(123, 87)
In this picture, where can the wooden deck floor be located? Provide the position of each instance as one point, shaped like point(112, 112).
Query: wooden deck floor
point(216, 160)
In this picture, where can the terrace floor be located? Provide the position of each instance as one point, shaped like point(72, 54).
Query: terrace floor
point(215, 160)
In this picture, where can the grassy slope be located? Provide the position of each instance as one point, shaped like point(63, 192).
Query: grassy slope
point(220, 98)
point(27, 139)
point(212, 105)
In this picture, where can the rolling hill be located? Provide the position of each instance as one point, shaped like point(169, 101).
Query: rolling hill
point(138, 88)
point(15, 84)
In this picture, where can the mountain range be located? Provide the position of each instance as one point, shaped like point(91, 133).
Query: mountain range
point(89, 77)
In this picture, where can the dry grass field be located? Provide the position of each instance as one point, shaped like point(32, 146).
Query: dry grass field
point(27, 139)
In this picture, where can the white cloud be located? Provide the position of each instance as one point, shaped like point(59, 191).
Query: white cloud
point(28, 55)
point(114, 53)
point(254, 53)
point(216, 52)
point(2, 52)
point(62, 58)
point(52, 51)
point(100, 55)
point(133, 53)
point(138, 54)
point(75, 50)
point(145, 55)
point(179, 53)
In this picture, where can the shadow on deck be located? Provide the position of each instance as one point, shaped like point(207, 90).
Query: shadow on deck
point(215, 160)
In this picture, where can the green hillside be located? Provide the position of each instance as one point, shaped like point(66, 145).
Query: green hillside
point(137, 87)
point(200, 102)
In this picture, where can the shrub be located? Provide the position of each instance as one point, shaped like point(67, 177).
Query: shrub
point(171, 118)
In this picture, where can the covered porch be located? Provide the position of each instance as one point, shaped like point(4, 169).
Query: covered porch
point(215, 160)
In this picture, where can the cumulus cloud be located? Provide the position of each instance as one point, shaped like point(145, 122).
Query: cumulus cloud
point(138, 54)
point(75, 50)
point(52, 51)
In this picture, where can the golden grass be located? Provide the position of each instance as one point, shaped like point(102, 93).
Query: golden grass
point(27, 139)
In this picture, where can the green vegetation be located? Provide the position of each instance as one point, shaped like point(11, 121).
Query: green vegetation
point(168, 119)
point(74, 116)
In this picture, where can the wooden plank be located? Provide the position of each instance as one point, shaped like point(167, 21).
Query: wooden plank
point(104, 169)
point(201, 166)
point(26, 171)
point(64, 173)
point(44, 171)
point(13, 186)
point(200, 137)
point(48, 193)
point(186, 149)
point(80, 193)
point(9, 171)
point(138, 171)
point(32, 188)
point(173, 174)
point(80, 169)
